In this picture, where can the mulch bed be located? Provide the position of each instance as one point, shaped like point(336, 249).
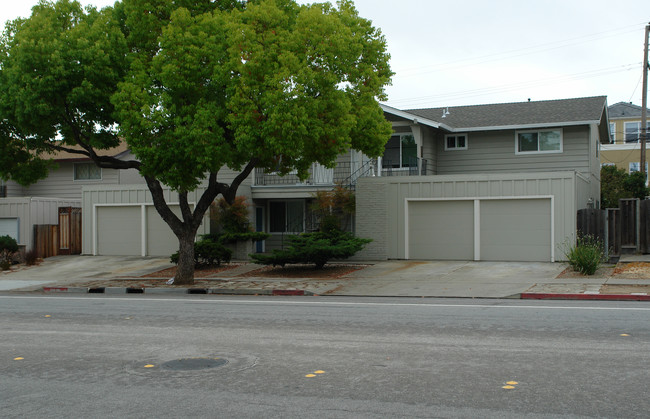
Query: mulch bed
point(329, 271)
point(633, 270)
point(201, 272)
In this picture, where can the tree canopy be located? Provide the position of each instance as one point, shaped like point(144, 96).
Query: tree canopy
point(192, 87)
point(616, 184)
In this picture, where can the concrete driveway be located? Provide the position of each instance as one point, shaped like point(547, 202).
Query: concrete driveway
point(67, 269)
point(450, 278)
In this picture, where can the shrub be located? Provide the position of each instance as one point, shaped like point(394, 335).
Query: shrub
point(30, 257)
point(8, 246)
point(317, 248)
point(207, 253)
point(586, 255)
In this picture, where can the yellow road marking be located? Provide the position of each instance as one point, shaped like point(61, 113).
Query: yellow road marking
point(624, 334)
point(319, 372)
point(512, 382)
point(20, 358)
point(310, 375)
point(508, 387)
point(149, 366)
point(47, 315)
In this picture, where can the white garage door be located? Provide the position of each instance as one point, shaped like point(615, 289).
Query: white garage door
point(516, 230)
point(161, 241)
point(441, 230)
point(119, 231)
point(9, 227)
point(509, 230)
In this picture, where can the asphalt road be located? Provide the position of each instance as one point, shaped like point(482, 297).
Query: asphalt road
point(101, 356)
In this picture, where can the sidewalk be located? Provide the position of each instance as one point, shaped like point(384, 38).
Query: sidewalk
point(393, 278)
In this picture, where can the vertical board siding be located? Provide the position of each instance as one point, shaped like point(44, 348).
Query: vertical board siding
point(386, 196)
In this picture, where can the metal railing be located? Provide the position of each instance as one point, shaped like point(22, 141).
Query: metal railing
point(344, 173)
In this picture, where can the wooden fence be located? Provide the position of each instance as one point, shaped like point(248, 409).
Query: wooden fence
point(61, 239)
point(624, 230)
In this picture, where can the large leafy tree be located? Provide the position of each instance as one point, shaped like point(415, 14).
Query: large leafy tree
point(192, 87)
point(617, 184)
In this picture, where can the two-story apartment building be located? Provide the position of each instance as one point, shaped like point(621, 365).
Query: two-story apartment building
point(486, 182)
point(624, 149)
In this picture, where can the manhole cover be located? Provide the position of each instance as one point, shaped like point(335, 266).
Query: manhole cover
point(195, 363)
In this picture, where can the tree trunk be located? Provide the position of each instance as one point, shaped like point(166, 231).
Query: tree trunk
point(185, 268)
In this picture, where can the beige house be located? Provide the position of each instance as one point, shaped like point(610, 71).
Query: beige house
point(624, 149)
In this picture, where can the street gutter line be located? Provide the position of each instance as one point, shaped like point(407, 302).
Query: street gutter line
point(330, 303)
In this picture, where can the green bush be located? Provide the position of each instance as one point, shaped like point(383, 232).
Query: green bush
point(208, 253)
point(317, 248)
point(8, 246)
point(586, 255)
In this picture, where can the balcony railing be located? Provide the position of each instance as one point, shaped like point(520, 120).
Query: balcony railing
point(344, 173)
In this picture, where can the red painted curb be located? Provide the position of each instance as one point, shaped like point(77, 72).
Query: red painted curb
point(549, 296)
point(55, 289)
point(288, 292)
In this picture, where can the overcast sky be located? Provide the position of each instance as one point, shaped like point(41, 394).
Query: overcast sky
point(465, 52)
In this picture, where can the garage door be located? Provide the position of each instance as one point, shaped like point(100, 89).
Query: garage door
point(9, 227)
point(509, 230)
point(516, 230)
point(441, 230)
point(119, 231)
point(161, 241)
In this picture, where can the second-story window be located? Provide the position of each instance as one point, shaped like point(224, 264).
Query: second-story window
point(612, 132)
point(542, 141)
point(400, 151)
point(456, 142)
point(87, 171)
point(633, 131)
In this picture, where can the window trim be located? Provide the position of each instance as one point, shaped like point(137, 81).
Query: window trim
point(539, 131)
point(612, 133)
point(455, 137)
point(74, 173)
point(629, 167)
point(637, 131)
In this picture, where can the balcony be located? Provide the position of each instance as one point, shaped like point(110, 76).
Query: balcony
point(344, 173)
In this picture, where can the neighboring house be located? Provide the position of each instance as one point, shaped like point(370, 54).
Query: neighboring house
point(624, 149)
point(497, 182)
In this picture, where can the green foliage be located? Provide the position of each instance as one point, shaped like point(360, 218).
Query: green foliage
point(317, 248)
point(334, 208)
point(8, 246)
point(207, 253)
point(231, 223)
point(586, 255)
point(231, 218)
point(617, 184)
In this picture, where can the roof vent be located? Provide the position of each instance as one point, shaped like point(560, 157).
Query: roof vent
point(445, 112)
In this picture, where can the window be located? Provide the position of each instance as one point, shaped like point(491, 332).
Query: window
point(547, 141)
point(456, 142)
point(635, 166)
point(400, 151)
point(286, 216)
point(87, 171)
point(632, 131)
point(612, 132)
point(3, 189)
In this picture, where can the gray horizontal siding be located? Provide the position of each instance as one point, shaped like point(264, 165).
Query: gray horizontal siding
point(61, 184)
point(491, 152)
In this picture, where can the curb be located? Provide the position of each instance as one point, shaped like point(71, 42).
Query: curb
point(193, 291)
point(611, 297)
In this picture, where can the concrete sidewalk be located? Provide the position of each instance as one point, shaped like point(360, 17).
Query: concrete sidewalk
point(394, 278)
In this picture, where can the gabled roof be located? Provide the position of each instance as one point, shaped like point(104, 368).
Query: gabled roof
point(563, 112)
point(625, 110)
point(67, 156)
